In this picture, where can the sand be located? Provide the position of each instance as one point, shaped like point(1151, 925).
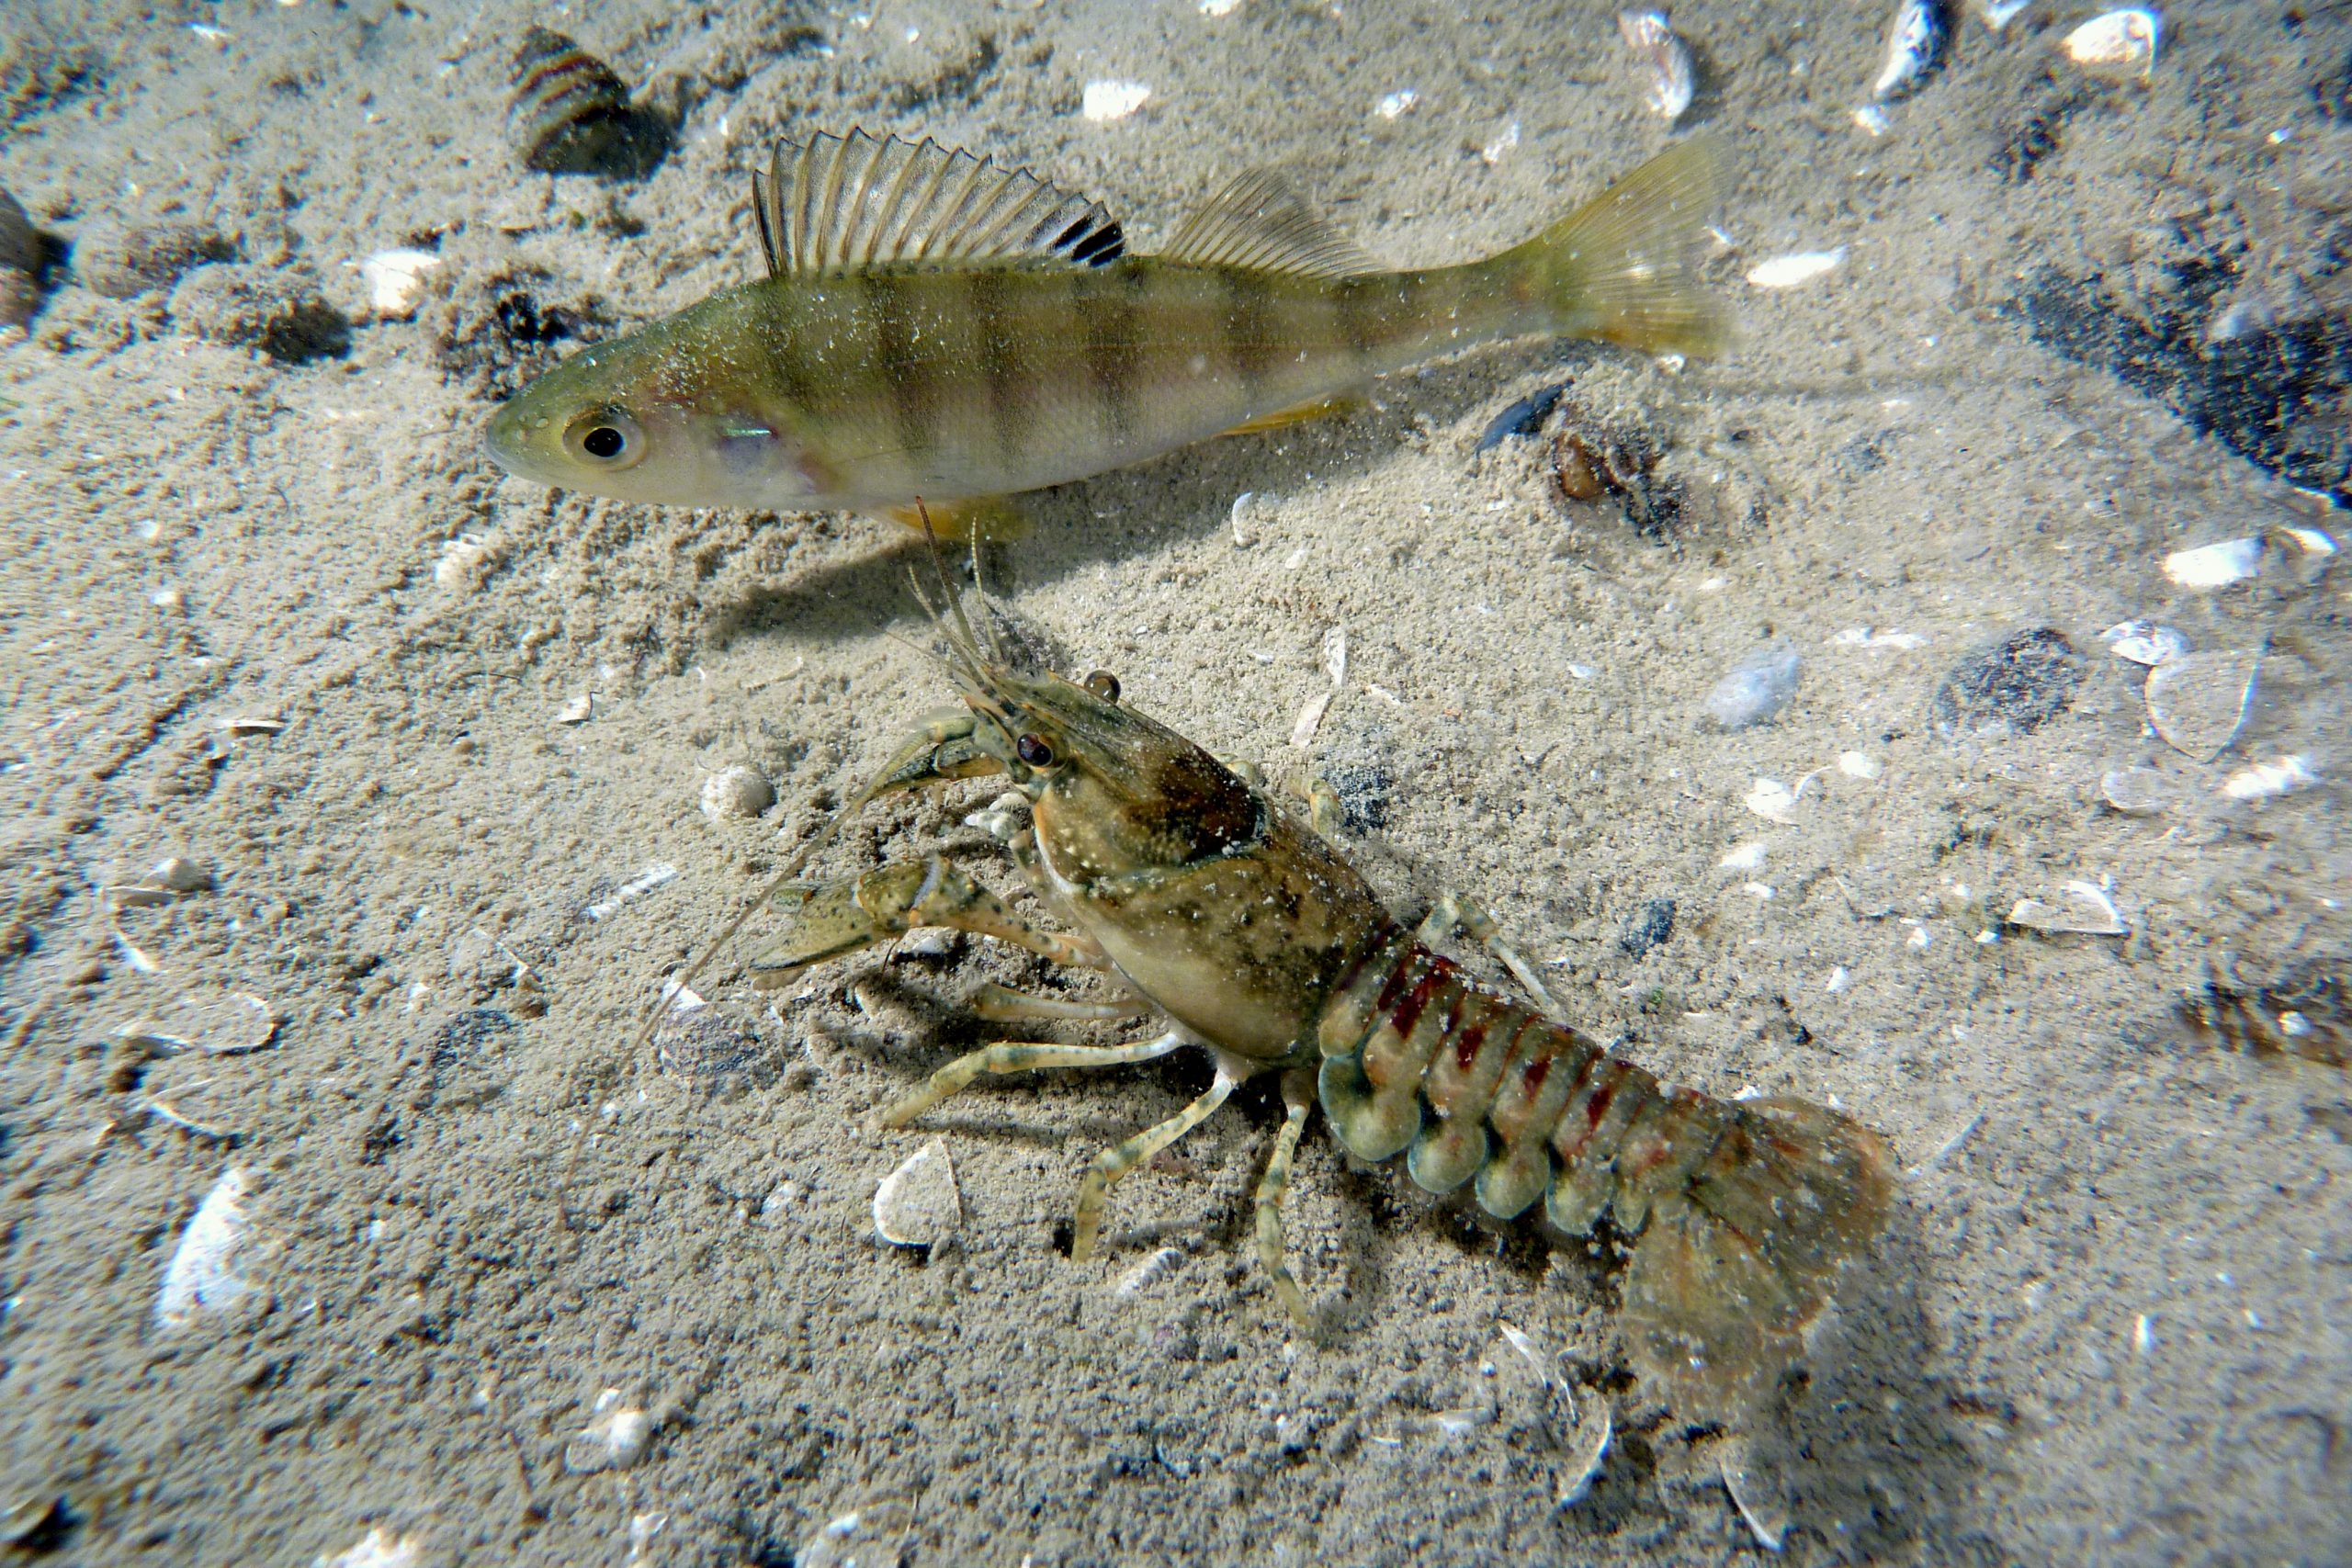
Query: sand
point(2109, 1321)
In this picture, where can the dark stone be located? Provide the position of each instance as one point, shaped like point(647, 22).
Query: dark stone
point(1648, 928)
point(2012, 687)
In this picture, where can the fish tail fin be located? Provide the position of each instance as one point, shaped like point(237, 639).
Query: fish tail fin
point(976, 517)
point(1733, 1267)
point(1624, 268)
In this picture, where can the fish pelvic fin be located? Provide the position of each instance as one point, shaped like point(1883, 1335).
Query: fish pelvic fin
point(1624, 268)
point(976, 517)
point(1282, 418)
point(1732, 1268)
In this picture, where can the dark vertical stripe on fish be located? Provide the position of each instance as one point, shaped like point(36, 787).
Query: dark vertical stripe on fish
point(910, 392)
point(1112, 315)
point(998, 362)
point(1249, 334)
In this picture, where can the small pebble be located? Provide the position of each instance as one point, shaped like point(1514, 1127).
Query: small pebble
point(917, 1204)
point(615, 1438)
point(2011, 687)
point(1758, 688)
point(394, 280)
point(1647, 929)
point(180, 875)
point(2117, 45)
point(2198, 702)
point(736, 793)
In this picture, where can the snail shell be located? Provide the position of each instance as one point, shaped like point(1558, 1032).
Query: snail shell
point(572, 115)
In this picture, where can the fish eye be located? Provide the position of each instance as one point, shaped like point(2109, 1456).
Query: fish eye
point(1104, 686)
point(605, 438)
point(1034, 751)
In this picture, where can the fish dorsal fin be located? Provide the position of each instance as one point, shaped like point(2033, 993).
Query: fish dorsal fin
point(1259, 221)
point(842, 202)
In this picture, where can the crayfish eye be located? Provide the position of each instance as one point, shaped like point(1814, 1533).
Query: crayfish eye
point(1034, 751)
point(606, 438)
point(1104, 686)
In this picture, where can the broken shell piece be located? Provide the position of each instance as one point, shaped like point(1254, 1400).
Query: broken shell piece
point(1771, 800)
point(251, 724)
point(25, 1520)
point(1673, 74)
point(2117, 45)
point(1998, 14)
point(464, 559)
point(2198, 702)
point(917, 1204)
point(615, 1438)
point(2215, 565)
point(2090, 912)
point(1757, 687)
point(217, 1023)
point(178, 874)
point(201, 1277)
point(394, 280)
point(2144, 642)
point(868, 1537)
point(2263, 780)
point(379, 1547)
point(1748, 856)
point(1103, 102)
point(578, 709)
point(1914, 48)
point(2138, 791)
point(1859, 765)
point(1310, 719)
point(736, 793)
point(1803, 266)
point(1591, 1446)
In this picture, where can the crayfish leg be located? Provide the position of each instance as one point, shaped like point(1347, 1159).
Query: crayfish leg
point(1020, 1058)
point(1113, 1163)
point(1298, 1098)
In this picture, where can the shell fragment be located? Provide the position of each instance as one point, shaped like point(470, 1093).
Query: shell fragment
point(1803, 266)
point(217, 1024)
point(2216, 565)
point(2263, 780)
point(917, 1204)
point(2198, 702)
point(2144, 642)
point(2089, 912)
point(2117, 44)
point(201, 1277)
point(1673, 74)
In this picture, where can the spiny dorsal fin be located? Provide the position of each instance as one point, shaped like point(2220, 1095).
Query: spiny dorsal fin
point(842, 202)
point(1259, 221)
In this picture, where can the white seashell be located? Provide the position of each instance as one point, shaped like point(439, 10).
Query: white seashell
point(1493, 152)
point(2144, 642)
point(464, 559)
point(615, 1438)
point(1673, 73)
point(2263, 780)
point(917, 1204)
point(1105, 101)
point(1859, 765)
point(1219, 7)
point(1872, 121)
point(201, 1277)
point(870, 1537)
point(1803, 266)
point(1577, 1475)
point(2090, 913)
point(2312, 541)
point(1310, 719)
point(1997, 15)
point(2198, 701)
point(1748, 856)
point(577, 710)
point(379, 1547)
point(658, 875)
point(2138, 791)
point(2117, 43)
point(1838, 978)
point(1773, 799)
point(1395, 103)
point(2215, 565)
point(735, 794)
point(1334, 655)
point(1914, 47)
point(1151, 1271)
point(1870, 636)
point(394, 280)
point(215, 1022)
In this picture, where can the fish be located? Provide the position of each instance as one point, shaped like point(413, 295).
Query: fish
point(933, 325)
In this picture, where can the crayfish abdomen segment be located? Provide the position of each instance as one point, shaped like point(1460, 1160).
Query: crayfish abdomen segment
point(1746, 1213)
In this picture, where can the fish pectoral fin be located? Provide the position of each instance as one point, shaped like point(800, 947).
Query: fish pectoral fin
point(1259, 222)
point(976, 517)
point(839, 203)
point(1281, 419)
